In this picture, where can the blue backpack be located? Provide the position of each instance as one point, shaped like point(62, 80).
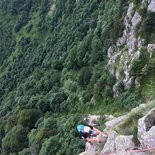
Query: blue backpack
point(80, 128)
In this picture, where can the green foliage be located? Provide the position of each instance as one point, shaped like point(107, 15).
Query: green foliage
point(144, 70)
point(148, 22)
point(15, 140)
point(2, 133)
point(28, 117)
point(84, 77)
point(97, 51)
point(137, 3)
point(25, 152)
point(129, 100)
point(103, 85)
point(148, 27)
point(50, 146)
point(57, 101)
point(138, 65)
point(53, 66)
point(71, 86)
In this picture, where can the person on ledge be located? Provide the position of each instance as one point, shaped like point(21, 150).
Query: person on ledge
point(89, 133)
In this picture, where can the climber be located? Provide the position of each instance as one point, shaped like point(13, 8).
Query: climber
point(89, 133)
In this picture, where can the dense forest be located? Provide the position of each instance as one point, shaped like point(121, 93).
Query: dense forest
point(53, 71)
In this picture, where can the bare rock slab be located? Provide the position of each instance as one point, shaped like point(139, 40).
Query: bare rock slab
point(146, 130)
point(116, 121)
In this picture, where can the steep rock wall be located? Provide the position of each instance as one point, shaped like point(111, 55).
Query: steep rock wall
point(128, 48)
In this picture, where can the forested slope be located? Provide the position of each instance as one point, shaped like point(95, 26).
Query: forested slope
point(53, 71)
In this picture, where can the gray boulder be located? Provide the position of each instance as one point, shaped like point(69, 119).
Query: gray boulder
point(118, 144)
point(144, 3)
point(151, 6)
point(124, 143)
point(130, 11)
point(116, 121)
point(149, 138)
point(146, 130)
point(116, 93)
point(110, 146)
point(128, 83)
point(109, 117)
point(151, 48)
point(112, 50)
point(136, 20)
point(92, 119)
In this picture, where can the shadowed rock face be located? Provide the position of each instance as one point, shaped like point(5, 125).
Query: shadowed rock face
point(150, 120)
point(146, 130)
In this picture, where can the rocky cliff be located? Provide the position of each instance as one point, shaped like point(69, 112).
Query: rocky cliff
point(129, 48)
point(132, 133)
point(121, 138)
point(63, 59)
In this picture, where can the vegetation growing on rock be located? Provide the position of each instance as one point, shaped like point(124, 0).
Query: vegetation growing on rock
point(53, 71)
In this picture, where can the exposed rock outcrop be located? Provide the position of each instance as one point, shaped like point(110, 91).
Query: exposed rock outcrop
point(95, 147)
point(128, 47)
point(118, 143)
point(116, 121)
point(109, 117)
point(146, 130)
point(149, 139)
point(151, 6)
point(92, 119)
point(136, 20)
point(124, 143)
point(110, 146)
point(126, 50)
point(151, 48)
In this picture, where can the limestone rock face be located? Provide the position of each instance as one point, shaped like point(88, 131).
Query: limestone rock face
point(109, 117)
point(127, 48)
point(146, 129)
point(125, 51)
point(110, 146)
point(118, 144)
point(116, 121)
point(144, 3)
point(151, 48)
point(136, 19)
point(92, 119)
point(149, 138)
point(88, 153)
point(115, 89)
point(95, 147)
point(151, 6)
point(124, 143)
